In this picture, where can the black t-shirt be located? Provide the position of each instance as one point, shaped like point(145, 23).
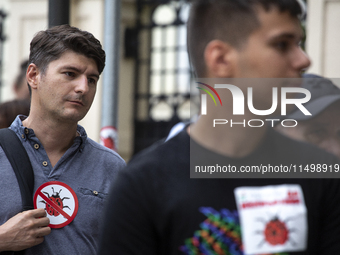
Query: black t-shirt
point(155, 208)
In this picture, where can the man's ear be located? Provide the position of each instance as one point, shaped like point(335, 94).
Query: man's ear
point(219, 59)
point(33, 75)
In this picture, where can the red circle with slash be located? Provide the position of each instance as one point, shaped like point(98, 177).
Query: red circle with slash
point(60, 202)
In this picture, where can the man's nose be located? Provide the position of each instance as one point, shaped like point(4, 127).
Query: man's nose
point(301, 60)
point(82, 85)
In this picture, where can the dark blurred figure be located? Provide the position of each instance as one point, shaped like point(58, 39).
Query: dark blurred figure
point(10, 109)
point(20, 86)
point(155, 207)
point(322, 128)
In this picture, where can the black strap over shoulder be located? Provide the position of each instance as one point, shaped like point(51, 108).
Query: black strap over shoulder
point(21, 164)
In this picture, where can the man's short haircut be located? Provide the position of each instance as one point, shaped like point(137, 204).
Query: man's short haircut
point(231, 21)
point(50, 44)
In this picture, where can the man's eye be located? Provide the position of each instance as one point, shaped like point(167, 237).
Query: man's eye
point(282, 46)
point(71, 74)
point(92, 81)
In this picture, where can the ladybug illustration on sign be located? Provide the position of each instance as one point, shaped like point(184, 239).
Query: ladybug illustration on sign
point(57, 200)
point(275, 232)
point(59, 212)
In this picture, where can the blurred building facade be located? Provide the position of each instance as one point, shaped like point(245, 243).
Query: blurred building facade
point(154, 72)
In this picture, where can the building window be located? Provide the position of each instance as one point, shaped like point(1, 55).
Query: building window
point(163, 70)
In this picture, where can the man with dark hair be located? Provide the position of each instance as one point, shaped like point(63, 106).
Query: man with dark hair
point(322, 128)
point(48, 45)
point(72, 173)
point(170, 201)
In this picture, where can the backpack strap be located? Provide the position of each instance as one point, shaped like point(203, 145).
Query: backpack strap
point(21, 165)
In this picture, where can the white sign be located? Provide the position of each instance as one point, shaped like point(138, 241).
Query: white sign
point(60, 202)
point(273, 218)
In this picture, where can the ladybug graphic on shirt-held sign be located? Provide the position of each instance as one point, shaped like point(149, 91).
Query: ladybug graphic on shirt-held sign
point(275, 232)
point(56, 199)
point(61, 209)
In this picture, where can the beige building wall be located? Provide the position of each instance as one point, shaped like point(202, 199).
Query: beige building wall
point(24, 19)
point(323, 37)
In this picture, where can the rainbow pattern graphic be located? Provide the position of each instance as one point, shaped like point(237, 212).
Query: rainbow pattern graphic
point(220, 234)
point(209, 93)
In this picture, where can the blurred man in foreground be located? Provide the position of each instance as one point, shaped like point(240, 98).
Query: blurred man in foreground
point(200, 192)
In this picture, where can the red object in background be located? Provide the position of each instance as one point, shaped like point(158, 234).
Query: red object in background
point(109, 137)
